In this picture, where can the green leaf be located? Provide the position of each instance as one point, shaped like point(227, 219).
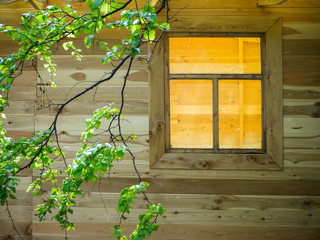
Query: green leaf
point(12, 196)
point(95, 13)
point(134, 52)
point(149, 35)
point(165, 26)
point(88, 40)
point(97, 3)
point(105, 8)
point(67, 45)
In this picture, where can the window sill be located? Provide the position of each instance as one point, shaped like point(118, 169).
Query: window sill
point(207, 161)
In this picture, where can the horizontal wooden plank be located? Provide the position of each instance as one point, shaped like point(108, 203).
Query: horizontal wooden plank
point(19, 213)
point(24, 228)
point(210, 217)
point(301, 92)
point(22, 122)
point(7, 17)
point(94, 50)
point(301, 46)
point(221, 24)
point(26, 78)
point(301, 156)
point(302, 142)
point(301, 77)
point(178, 4)
point(21, 93)
point(295, 168)
point(297, 4)
point(171, 202)
point(91, 62)
point(301, 127)
point(130, 123)
point(20, 107)
point(303, 62)
point(107, 93)
point(83, 78)
point(301, 108)
point(50, 231)
point(288, 14)
point(23, 199)
point(7, 46)
point(87, 107)
point(299, 30)
point(211, 186)
point(19, 125)
point(16, 134)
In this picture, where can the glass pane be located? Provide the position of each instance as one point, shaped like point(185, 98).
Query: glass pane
point(216, 55)
point(240, 114)
point(191, 114)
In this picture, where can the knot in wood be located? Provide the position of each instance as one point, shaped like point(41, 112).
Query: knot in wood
point(79, 76)
point(307, 203)
point(160, 125)
point(251, 158)
point(204, 165)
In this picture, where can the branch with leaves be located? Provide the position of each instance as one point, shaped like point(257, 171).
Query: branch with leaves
point(39, 35)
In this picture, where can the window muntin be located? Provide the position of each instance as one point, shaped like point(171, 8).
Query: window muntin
point(233, 64)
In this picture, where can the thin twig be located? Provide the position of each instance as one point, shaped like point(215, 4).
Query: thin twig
point(11, 219)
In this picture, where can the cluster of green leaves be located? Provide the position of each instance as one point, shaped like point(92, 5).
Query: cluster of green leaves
point(14, 153)
point(7, 69)
point(90, 164)
point(39, 34)
point(142, 25)
point(40, 31)
point(105, 113)
point(147, 221)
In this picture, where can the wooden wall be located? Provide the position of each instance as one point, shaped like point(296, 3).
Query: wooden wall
point(209, 204)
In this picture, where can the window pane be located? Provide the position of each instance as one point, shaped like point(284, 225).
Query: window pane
point(240, 114)
point(191, 114)
point(216, 55)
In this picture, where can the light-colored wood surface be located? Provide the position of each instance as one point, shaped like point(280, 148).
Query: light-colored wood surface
point(273, 90)
point(191, 114)
point(156, 113)
point(201, 203)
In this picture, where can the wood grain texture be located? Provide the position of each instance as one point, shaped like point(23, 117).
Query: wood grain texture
point(273, 91)
point(301, 47)
point(301, 77)
point(210, 186)
point(178, 231)
point(301, 30)
point(298, 108)
point(156, 110)
point(221, 24)
point(238, 4)
point(288, 14)
point(201, 204)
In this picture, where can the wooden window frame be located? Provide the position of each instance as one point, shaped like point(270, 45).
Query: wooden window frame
point(270, 157)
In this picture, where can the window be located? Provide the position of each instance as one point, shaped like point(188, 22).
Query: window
point(215, 93)
point(215, 101)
